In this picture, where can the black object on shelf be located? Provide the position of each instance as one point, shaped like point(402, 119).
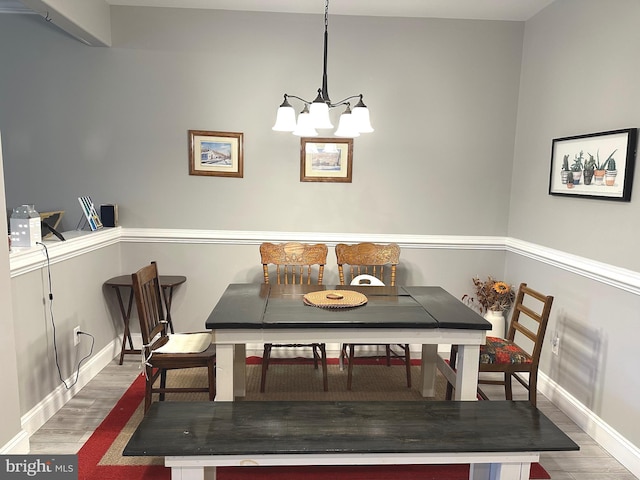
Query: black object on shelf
point(46, 226)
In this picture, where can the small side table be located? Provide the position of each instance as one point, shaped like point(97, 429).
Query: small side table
point(167, 282)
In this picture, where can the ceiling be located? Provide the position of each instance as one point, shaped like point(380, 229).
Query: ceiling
point(518, 10)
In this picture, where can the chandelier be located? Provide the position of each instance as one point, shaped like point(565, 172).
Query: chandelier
point(315, 115)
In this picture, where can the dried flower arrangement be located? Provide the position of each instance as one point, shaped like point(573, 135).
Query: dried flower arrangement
point(490, 295)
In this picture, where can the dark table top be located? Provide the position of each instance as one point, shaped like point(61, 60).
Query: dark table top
point(262, 306)
point(228, 428)
point(165, 281)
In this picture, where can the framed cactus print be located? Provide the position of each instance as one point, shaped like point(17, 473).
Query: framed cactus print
point(595, 165)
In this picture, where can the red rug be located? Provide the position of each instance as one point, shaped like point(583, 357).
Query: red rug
point(93, 450)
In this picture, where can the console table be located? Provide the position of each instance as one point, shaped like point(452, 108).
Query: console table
point(124, 282)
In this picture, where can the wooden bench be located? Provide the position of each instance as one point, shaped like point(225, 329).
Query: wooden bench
point(500, 439)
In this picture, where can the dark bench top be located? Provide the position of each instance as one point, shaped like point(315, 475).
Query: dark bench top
point(257, 428)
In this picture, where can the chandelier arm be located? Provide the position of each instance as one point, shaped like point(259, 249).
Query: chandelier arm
point(306, 102)
point(345, 101)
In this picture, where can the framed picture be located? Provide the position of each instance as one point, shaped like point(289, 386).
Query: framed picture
point(217, 154)
point(326, 159)
point(596, 165)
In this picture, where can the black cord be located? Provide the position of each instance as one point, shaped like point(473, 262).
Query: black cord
point(53, 323)
point(93, 341)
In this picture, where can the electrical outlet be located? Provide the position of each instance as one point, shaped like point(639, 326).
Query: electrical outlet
point(76, 335)
point(555, 345)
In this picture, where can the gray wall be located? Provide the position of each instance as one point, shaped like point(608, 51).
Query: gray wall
point(580, 73)
point(112, 123)
point(578, 76)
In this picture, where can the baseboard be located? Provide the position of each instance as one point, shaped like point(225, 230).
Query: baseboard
point(607, 437)
point(44, 410)
point(18, 445)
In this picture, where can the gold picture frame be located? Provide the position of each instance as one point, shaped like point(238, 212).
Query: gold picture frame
point(216, 154)
point(326, 159)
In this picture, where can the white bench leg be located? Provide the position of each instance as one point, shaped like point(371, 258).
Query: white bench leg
point(480, 471)
point(515, 471)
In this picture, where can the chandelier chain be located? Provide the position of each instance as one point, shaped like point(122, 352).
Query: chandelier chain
point(326, 14)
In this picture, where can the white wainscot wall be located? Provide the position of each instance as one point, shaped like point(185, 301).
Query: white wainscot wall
point(449, 261)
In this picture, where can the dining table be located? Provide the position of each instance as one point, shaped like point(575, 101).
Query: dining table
point(276, 313)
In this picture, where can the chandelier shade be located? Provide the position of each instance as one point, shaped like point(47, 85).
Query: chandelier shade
point(320, 115)
point(315, 114)
point(305, 126)
point(285, 118)
point(361, 117)
point(347, 126)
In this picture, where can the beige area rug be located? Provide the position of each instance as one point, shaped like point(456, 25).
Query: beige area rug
point(287, 382)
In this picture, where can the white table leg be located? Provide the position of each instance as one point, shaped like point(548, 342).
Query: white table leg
point(500, 471)
point(187, 473)
point(514, 471)
point(428, 370)
point(224, 372)
point(240, 370)
point(466, 387)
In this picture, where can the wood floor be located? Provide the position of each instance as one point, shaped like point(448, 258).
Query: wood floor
point(67, 431)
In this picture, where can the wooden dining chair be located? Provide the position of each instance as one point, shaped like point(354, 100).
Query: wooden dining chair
point(295, 263)
point(359, 263)
point(162, 351)
point(506, 355)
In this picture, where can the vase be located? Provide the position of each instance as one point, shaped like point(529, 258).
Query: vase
point(598, 176)
point(576, 177)
point(587, 175)
point(496, 319)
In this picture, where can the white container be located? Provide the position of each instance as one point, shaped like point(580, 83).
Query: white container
point(25, 227)
point(498, 323)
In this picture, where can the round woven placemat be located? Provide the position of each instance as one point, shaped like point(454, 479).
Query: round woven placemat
point(335, 299)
